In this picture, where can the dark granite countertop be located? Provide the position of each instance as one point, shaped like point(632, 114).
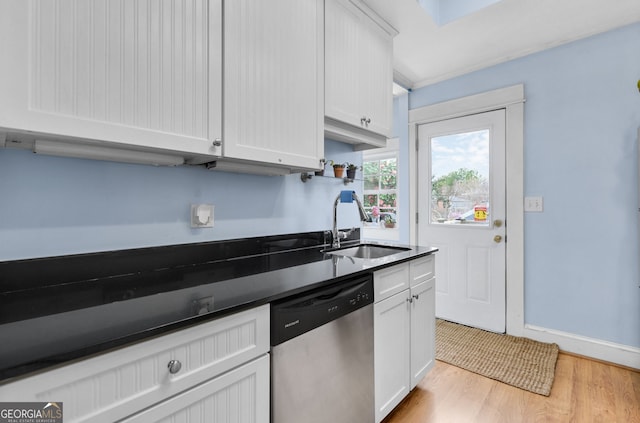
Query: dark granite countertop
point(57, 309)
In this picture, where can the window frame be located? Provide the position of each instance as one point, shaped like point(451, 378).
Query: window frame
point(392, 151)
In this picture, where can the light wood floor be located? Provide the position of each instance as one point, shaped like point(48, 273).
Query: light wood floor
point(583, 391)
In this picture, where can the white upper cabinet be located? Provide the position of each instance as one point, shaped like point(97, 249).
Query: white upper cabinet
point(137, 74)
point(359, 74)
point(111, 76)
point(274, 82)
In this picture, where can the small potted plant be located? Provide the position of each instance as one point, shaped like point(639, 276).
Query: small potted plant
point(389, 222)
point(323, 163)
point(338, 168)
point(351, 170)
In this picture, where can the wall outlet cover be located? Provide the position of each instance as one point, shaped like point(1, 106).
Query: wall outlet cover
point(202, 215)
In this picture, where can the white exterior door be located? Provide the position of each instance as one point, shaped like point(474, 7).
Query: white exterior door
point(461, 204)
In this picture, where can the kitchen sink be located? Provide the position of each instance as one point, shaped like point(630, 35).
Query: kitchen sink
point(368, 251)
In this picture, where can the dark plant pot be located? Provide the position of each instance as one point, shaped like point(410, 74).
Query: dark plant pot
point(389, 224)
point(338, 171)
point(351, 173)
point(319, 172)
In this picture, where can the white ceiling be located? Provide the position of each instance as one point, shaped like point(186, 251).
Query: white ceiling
point(425, 53)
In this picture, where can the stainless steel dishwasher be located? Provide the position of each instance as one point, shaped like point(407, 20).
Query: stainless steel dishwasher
point(322, 355)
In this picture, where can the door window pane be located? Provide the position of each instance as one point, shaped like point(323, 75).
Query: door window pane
point(460, 178)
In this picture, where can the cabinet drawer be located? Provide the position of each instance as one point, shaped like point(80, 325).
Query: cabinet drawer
point(120, 383)
point(422, 269)
point(390, 281)
point(241, 394)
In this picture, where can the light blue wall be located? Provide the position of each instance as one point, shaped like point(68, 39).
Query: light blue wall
point(54, 206)
point(582, 114)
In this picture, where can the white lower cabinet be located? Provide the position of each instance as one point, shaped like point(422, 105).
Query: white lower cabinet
point(221, 366)
point(404, 331)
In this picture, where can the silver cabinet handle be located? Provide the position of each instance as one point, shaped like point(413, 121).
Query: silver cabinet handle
point(368, 121)
point(409, 300)
point(217, 142)
point(174, 366)
point(416, 297)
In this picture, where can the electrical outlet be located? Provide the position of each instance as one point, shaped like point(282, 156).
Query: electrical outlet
point(202, 306)
point(202, 215)
point(533, 204)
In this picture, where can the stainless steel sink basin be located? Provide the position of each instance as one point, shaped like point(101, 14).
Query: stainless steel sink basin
point(368, 251)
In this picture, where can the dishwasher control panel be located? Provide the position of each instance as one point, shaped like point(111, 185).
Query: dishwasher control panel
point(305, 312)
point(361, 296)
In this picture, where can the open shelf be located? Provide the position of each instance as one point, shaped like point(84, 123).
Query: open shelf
point(304, 177)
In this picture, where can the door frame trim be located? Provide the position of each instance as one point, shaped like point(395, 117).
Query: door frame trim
point(511, 99)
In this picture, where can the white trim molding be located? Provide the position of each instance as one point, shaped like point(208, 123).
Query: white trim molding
point(511, 99)
point(589, 347)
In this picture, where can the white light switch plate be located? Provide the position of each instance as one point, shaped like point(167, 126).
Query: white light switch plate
point(533, 204)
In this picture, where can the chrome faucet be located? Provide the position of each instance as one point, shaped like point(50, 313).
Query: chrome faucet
point(345, 197)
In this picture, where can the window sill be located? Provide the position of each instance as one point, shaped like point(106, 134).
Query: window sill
point(383, 234)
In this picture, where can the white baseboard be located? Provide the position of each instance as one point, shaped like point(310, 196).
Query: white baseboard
point(595, 348)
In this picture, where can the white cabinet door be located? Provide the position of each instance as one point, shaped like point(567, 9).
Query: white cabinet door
point(274, 82)
point(376, 78)
point(241, 395)
point(391, 352)
point(342, 79)
point(359, 74)
point(423, 326)
point(137, 74)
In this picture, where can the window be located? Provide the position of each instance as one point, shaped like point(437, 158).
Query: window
point(460, 178)
point(380, 173)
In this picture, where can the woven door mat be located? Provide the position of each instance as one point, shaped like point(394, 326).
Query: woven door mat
point(520, 362)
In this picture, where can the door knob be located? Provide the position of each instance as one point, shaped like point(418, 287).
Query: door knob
point(497, 238)
point(497, 223)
